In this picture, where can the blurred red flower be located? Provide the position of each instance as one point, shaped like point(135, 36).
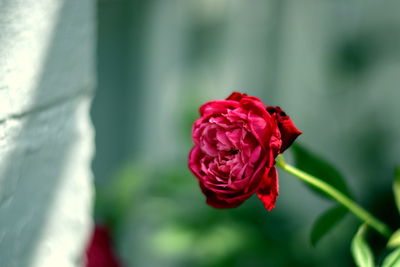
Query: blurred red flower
point(99, 252)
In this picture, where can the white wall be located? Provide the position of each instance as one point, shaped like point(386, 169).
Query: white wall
point(46, 82)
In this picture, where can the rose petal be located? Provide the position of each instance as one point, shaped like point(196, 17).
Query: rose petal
point(221, 122)
point(236, 115)
point(260, 129)
point(218, 203)
point(269, 189)
point(195, 158)
point(255, 105)
point(234, 136)
point(217, 107)
point(288, 130)
point(255, 155)
point(236, 96)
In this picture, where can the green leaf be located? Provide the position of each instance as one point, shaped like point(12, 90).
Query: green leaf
point(316, 166)
point(394, 240)
point(393, 259)
point(362, 254)
point(396, 187)
point(326, 222)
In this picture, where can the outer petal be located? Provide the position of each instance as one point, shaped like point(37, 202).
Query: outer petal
point(236, 96)
point(250, 103)
point(269, 189)
point(288, 130)
point(217, 107)
point(255, 105)
point(195, 156)
point(214, 201)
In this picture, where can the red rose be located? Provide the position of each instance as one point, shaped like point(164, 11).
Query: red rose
point(100, 252)
point(236, 142)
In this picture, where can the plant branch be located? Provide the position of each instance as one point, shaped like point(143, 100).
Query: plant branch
point(361, 213)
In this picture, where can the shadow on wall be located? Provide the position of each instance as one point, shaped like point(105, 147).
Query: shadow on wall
point(49, 149)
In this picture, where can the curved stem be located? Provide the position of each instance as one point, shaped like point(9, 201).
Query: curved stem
point(361, 213)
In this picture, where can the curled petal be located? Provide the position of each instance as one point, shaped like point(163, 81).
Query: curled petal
point(261, 128)
point(269, 189)
point(250, 103)
point(195, 158)
point(236, 96)
point(288, 130)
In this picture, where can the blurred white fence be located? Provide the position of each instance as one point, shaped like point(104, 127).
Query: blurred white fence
point(46, 82)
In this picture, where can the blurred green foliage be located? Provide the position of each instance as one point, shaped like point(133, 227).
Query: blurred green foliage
point(169, 224)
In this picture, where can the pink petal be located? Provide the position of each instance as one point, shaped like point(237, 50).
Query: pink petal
point(255, 155)
point(217, 107)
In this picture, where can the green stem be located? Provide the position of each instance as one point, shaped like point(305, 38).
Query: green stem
point(361, 213)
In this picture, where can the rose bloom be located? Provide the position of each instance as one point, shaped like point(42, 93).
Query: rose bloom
point(235, 144)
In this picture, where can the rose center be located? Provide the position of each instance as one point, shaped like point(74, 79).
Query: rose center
point(233, 151)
